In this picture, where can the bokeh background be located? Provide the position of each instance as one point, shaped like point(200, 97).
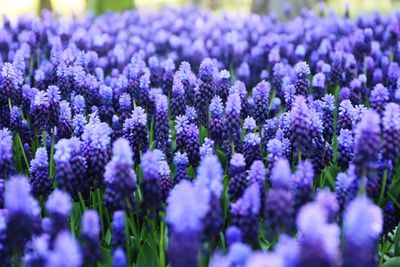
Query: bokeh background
point(68, 8)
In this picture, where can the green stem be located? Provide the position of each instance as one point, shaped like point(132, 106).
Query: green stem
point(383, 186)
point(100, 210)
point(23, 151)
point(162, 251)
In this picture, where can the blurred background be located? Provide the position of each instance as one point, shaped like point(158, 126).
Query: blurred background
point(67, 8)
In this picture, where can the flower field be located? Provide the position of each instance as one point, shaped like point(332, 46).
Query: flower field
point(188, 138)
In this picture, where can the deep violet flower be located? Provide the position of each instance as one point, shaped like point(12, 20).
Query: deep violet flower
point(300, 125)
point(161, 124)
point(216, 123)
point(6, 152)
point(181, 162)
point(135, 131)
point(39, 169)
point(302, 83)
point(391, 132)
point(59, 207)
point(150, 185)
point(261, 101)
point(238, 181)
point(177, 98)
point(206, 89)
point(118, 239)
point(90, 232)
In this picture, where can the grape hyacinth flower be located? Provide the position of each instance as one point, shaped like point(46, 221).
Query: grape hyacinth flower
point(302, 183)
point(178, 98)
point(118, 239)
point(15, 119)
point(232, 121)
point(106, 109)
point(240, 89)
point(161, 124)
point(187, 206)
point(78, 104)
point(207, 148)
point(96, 150)
point(186, 76)
point(223, 84)
point(361, 238)
point(78, 123)
point(251, 148)
point(249, 125)
point(181, 127)
point(346, 187)
point(261, 101)
point(37, 251)
point(300, 125)
point(124, 106)
point(319, 239)
point(279, 201)
point(328, 201)
point(245, 213)
point(302, 84)
point(366, 142)
point(206, 89)
point(119, 177)
point(193, 144)
point(119, 258)
point(289, 96)
point(6, 152)
point(59, 207)
point(90, 231)
point(379, 98)
point(54, 97)
point(168, 76)
point(9, 86)
point(216, 123)
point(71, 167)
point(165, 179)
point(2, 189)
point(344, 120)
point(191, 114)
point(237, 171)
point(181, 162)
point(210, 176)
point(64, 126)
point(391, 132)
point(151, 188)
point(328, 108)
point(318, 85)
point(23, 212)
point(66, 250)
point(135, 130)
point(40, 178)
point(40, 112)
point(345, 148)
point(268, 131)
point(390, 218)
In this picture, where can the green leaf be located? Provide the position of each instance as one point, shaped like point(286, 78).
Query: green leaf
point(393, 262)
point(147, 256)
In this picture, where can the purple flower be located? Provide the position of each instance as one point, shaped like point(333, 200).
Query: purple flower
point(207, 148)
point(300, 125)
point(318, 85)
point(223, 84)
point(379, 97)
point(366, 141)
point(182, 162)
point(39, 169)
point(64, 122)
point(15, 119)
point(302, 83)
point(391, 132)
point(95, 148)
point(361, 238)
point(6, 152)
point(261, 101)
point(90, 231)
point(10, 85)
point(71, 167)
point(187, 206)
point(249, 125)
point(78, 104)
point(206, 89)
point(303, 180)
point(66, 251)
point(252, 149)
point(119, 177)
point(281, 174)
point(232, 120)
point(289, 95)
point(150, 186)
point(119, 258)
point(118, 239)
point(264, 259)
point(40, 111)
point(345, 148)
point(181, 127)
point(319, 240)
point(344, 120)
point(135, 130)
point(216, 123)
point(245, 213)
point(161, 124)
point(191, 114)
point(238, 182)
point(78, 123)
point(186, 77)
point(328, 108)
point(53, 95)
point(23, 211)
point(192, 144)
point(178, 98)
point(328, 201)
